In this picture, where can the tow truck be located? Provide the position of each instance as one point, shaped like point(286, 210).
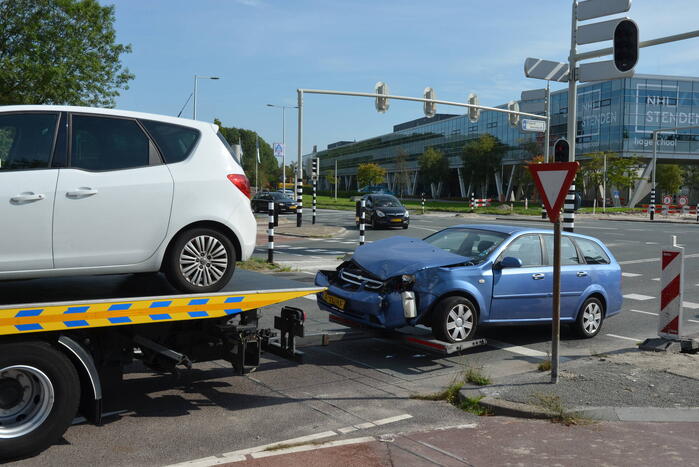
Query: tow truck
point(57, 358)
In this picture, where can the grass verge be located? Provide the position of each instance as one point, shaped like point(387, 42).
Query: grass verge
point(552, 403)
point(544, 365)
point(474, 376)
point(257, 264)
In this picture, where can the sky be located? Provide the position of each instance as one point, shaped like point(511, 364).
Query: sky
point(264, 50)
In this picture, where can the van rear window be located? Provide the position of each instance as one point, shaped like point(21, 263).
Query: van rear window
point(174, 141)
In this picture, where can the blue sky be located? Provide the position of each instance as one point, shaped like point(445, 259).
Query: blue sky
point(265, 49)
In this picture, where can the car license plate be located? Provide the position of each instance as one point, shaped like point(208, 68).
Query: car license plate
point(292, 207)
point(396, 220)
point(333, 300)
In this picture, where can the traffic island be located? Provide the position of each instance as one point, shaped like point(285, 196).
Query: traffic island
point(310, 231)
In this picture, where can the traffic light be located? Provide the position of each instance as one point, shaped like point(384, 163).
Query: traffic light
point(625, 45)
point(381, 102)
point(474, 113)
point(513, 118)
point(561, 150)
point(430, 108)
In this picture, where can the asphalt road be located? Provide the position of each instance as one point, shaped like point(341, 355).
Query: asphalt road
point(359, 386)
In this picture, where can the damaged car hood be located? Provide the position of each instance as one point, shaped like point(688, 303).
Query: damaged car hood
point(402, 255)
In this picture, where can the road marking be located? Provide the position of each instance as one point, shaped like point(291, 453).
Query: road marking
point(312, 447)
point(518, 349)
point(645, 312)
point(690, 305)
point(652, 260)
point(625, 338)
point(652, 243)
point(655, 279)
point(310, 297)
point(424, 228)
point(265, 451)
point(636, 296)
point(630, 274)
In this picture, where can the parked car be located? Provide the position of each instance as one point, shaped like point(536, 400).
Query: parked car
point(470, 275)
point(102, 191)
point(384, 211)
point(282, 203)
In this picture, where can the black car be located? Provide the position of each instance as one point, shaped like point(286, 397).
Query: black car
point(282, 203)
point(384, 211)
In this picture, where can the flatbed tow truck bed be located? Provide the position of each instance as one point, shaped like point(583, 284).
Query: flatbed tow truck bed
point(57, 358)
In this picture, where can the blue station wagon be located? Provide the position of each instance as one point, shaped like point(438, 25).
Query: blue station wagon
point(470, 275)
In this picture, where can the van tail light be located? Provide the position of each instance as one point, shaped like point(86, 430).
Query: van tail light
point(242, 182)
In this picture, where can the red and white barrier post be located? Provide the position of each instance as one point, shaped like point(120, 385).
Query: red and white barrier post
point(671, 291)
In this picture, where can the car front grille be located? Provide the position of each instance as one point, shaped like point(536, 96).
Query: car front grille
point(355, 277)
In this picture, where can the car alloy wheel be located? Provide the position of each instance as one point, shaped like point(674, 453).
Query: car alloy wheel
point(455, 319)
point(200, 260)
point(203, 261)
point(590, 318)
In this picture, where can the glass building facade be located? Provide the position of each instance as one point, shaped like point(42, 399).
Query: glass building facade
point(615, 116)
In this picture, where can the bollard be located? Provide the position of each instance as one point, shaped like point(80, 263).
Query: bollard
point(473, 202)
point(423, 202)
point(543, 211)
point(651, 208)
point(299, 202)
point(270, 232)
point(362, 213)
point(526, 203)
point(314, 177)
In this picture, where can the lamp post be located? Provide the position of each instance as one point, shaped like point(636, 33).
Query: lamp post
point(283, 107)
point(194, 112)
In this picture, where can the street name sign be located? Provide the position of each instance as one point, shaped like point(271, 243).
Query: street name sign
point(533, 125)
point(601, 71)
point(552, 180)
point(597, 8)
point(546, 69)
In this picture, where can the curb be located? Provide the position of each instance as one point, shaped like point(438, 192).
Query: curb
point(333, 233)
point(538, 219)
point(506, 408)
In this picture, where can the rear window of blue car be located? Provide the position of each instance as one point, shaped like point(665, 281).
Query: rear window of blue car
point(592, 252)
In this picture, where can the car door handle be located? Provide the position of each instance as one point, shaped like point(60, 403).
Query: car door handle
point(81, 193)
point(537, 276)
point(582, 274)
point(26, 197)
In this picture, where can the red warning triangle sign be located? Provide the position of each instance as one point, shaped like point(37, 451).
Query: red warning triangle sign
point(553, 180)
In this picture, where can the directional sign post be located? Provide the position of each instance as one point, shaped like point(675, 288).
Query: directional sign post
point(552, 181)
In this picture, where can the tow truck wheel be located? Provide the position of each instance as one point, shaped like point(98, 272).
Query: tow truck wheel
point(454, 319)
point(200, 261)
point(39, 397)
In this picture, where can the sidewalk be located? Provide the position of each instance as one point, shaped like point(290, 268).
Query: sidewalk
point(628, 385)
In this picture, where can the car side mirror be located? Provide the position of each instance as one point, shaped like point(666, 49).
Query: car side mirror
point(509, 262)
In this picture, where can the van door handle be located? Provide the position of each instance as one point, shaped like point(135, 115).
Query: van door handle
point(537, 276)
point(582, 274)
point(81, 193)
point(26, 197)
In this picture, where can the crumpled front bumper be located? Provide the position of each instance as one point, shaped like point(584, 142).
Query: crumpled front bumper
point(368, 307)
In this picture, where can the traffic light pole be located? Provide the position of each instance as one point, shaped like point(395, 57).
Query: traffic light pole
point(569, 205)
point(301, 92)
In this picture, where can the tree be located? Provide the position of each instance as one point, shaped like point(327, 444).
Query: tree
point(482, 156)
point(691, 178)
point(370, 174)
point(331, 178)
point(434, 168)
point(268, 172)
point(622, 172)
point(669, 178)
point(60, 52)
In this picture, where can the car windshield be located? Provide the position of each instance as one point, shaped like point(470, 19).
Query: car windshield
point(280, 197)
point(475, 244)
point(386, 202)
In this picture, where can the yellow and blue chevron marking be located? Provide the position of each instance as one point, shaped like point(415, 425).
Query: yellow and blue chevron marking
point(75, 315)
